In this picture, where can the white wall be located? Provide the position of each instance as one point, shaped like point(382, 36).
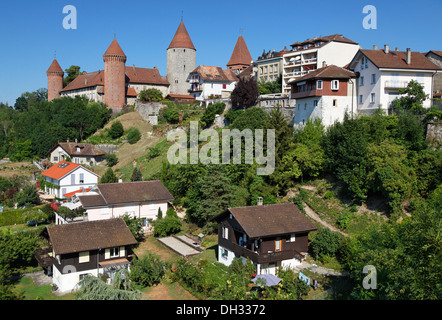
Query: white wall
point(89, 180)
point(210, 88)
point(338, 53)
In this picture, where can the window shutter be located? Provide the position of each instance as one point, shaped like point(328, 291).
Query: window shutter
point(107, 254)
point(122, 251)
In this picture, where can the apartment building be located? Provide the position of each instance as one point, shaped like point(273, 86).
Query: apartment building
point(269, 65)
point(382, 72)
point(312, 54)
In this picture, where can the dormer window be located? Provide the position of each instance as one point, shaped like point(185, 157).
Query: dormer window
point(78, 149)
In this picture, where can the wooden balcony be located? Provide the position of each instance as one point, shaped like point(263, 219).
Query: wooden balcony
point(306, 94)
point(44, 257)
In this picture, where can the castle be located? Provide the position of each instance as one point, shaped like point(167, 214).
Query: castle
point(118, 85)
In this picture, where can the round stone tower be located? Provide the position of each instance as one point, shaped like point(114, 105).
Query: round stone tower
point(181, 60)
point(114, 77)
point(55, 80)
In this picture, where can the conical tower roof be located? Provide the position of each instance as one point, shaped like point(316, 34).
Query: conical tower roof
point(241, 54)
point(114, 49)
point(181, 38)
point(55, 67)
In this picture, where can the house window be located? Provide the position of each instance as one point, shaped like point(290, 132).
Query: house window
point(278, 244)
point(81, 177)
point(372, 98)
point(56, 159)
point(335, 103)
point(83, 257)
point(373, 78)
point(335, 85)
point(292, 237)
point(276, 68)
point(362, 62)
point(361, 97)
point(319, 84)
point(361, 81)
point(63, 191)
point(225, 232)
point(114, 252)
point(315, 103)
point(305, 106)
point(224, 86)
point(224, 253)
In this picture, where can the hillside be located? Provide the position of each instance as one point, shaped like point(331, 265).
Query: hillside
point(127, 152)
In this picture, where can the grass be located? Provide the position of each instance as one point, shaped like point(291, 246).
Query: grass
point(31, 292)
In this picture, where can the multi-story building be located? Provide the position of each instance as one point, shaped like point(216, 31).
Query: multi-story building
point(383, 72)
point(311, 54)
point(269, 65)
point(436, 57)
point(326, 94)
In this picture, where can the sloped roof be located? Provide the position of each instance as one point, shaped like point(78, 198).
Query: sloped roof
point(270, 220)
point(215, 74)
point(145, 75)
point(89, 235)
point(329, 72)
point(240, 54)
point(55, 67)
point(396, 59)
point(127, 192)
point(86, 149)
point(86, 80)
point(438, 53)
point(326, 39)
point(114, 49)
point(181, 39)
point(60, 169)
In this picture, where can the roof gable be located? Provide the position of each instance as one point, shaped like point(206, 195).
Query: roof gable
point(215, 74)
point(55, 67)
point(240, 54)
point(63, 168)
point(114, 49)
point(181, 39)
point(329, 72)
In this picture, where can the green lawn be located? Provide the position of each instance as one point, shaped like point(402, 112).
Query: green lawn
point(30, 291)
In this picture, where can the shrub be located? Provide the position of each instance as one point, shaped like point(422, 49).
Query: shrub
point(148, 270)
point(27, 196)
point(111, 159)
point(326, 243)
point(150, 95)
point(171, 114)
point(328, 194)
point(168, 225)
point(116, 130)
point(133, 135)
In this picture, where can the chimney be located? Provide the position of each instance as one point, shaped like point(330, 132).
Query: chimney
point(260, 201)
point(386, 48)
point(375, 47)
point(324, 64)
point(408, 56)
point(120, 180)
point(67, 139)
point(134, 67)
point(397, 49)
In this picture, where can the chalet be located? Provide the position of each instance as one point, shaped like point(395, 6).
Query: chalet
point(78, 249)
point(82, 153)
point(326, 94)
point(271, 236)
point(140, 199)
point(66, 177)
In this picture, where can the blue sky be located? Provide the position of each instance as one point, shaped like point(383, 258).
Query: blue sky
point(30, 31)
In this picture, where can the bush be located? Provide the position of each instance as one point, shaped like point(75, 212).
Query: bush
point(133, 135)
point(116, 130)
point(27, 196)
point(326, 243)
point(148, 270)
point(150, 95)
point(168, 225)
point(170, 114)
point(111, 159)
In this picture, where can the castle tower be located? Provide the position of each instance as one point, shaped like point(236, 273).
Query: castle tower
point(114, 77)
point(181, 60)
point(240, 58)
point(55, 80)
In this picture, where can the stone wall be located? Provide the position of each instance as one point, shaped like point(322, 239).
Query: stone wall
point(149, 111)
point(434, 133)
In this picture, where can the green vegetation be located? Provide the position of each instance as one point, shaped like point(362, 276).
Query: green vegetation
point(150, 95)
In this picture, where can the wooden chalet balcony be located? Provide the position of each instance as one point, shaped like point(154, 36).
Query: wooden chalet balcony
point(43, 257)
point(308, 93)
point(258, 257)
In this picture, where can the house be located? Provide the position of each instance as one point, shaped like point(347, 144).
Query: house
point(271, 236)
point(383, 72)
point(210, 82)
point(311, 54)
point(65, 177)
point(82, 153)
point(75, 250)
point(269, 65)
point(326, 94)
point(240, 58)
point(436, 57)
point(140, 199)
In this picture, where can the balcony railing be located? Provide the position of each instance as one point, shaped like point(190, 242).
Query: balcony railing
point(44, 257)
point(396, 84)
point(307, 93)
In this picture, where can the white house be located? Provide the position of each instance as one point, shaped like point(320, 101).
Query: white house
point(311, 54)
point(66, 177)
point(326, 94)
point(82, 153)
point(209, 82)
point(383, 72)
point(140, 199)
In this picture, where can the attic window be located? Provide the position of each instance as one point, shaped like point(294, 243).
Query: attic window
point(63, 165)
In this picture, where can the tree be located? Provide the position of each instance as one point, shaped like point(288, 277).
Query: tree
point(325, 244)
point(27, 196)
point(133, 135)
point(135, 226)
point(170, 114)
point(245, 94)
point(111, 159)
point(413, 99)
point(109, 177)
point(147, 270)
point(116, 130)
point(269, 87)
point(211, 111)
point(71, 73)
point(136, 175)
point(150, 95)
point(168, 225)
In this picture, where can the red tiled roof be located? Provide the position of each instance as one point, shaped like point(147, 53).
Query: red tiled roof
point(55, 67)
point(86, 80)
point(240, 54)
point(215, 74)
point(130, 92)
point(181, 38)
point(398, 60)
point(59, 170)
point(145, 75)
point(334, 37)
point(86, 149)
point(438, 53)
point(180, 96)
point(114, 49)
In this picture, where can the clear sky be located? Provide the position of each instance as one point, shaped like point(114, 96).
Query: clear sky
point(31, 31)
